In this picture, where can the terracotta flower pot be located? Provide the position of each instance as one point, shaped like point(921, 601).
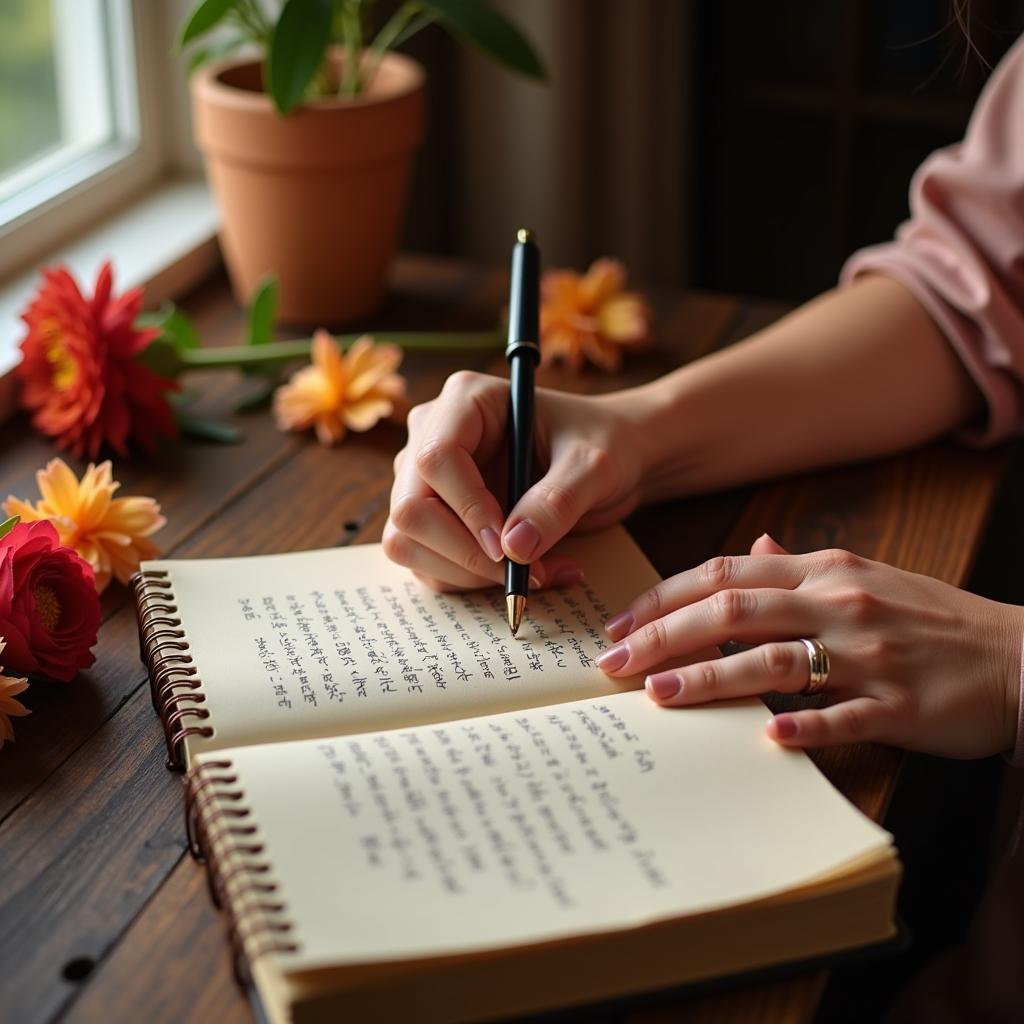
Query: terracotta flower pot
point(317, 197)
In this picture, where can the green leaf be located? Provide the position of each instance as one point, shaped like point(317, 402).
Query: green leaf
point(174, 326)
point(478, 23)
point(163, 357)
point(259, 396)
point(214, 52)
point(8, 524)
point(263, 312)
point(203, 17)
point(207, 429)
point(297, 50)
point(417, 24)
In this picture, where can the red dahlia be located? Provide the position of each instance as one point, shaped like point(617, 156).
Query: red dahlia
point(81, 380)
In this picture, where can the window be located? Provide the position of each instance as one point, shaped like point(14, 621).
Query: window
point(76, 138)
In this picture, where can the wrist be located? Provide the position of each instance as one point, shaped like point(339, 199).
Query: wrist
point(652, 415)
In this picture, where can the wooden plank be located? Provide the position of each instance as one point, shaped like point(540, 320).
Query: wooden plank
point(175, 970)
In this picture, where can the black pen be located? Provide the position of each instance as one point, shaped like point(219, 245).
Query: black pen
point(522, 353)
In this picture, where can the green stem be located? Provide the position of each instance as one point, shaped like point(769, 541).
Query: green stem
point(392, 30)
point(352, 28)
point(287, 351)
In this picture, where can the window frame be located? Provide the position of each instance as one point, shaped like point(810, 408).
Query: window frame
point(90, 188)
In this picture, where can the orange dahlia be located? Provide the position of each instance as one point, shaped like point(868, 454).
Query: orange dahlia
point(81, 379)
point(111, 534)
point(9, 707)
point(590, 316)
point(341, 392)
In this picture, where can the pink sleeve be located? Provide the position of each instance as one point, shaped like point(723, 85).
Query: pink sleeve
point(962, 251)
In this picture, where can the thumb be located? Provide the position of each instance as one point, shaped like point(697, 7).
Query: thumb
point(766, 545)
point(572, 486)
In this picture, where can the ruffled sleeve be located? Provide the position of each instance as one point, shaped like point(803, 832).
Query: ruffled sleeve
point(962, 251)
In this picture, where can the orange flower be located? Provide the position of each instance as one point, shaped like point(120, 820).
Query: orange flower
point(589, 316)
point(352, 391)
point(107, 532)
point(80, 377)
point(9, 707)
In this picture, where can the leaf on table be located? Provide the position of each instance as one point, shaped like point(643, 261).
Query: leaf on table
point(9, 524)
point(263, 312)
point(173, 324)
point(207, 428)
point(258, 396)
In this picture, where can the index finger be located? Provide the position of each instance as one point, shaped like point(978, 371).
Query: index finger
point(457, 434)
point(746, 572)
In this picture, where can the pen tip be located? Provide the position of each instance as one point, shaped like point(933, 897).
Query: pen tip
point(516, 605)
point(525, 235)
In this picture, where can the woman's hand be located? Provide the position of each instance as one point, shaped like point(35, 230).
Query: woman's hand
point(446, 521)
point(914, 662)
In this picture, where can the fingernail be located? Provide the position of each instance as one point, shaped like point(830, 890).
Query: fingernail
point(567, 576)
point(535, 583)
point(619, 625)
point(522, 540)
point(786, 727)
point(491, 543)
point(613, 659)
point(663, 685)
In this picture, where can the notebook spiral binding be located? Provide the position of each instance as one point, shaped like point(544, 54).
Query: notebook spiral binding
point(222, 835)
point(174, 687)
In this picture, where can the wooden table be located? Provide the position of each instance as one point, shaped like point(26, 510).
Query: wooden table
point(103, 916)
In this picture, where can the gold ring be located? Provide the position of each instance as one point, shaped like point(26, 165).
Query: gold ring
point(820, 665)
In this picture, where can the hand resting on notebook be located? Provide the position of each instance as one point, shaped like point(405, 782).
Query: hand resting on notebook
point(914, 662)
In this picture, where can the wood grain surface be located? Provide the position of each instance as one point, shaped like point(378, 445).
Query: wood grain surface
point(102, 915)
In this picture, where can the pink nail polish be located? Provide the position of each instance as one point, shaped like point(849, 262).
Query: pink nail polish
point(491, 543)
point(522, 540)
point(567, 577)
point(786, 727)
point(663, 685)
point(613, 659)
point(619, 625)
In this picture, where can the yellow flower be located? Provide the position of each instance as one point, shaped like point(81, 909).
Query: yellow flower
point(337, 391)
point(109, 533)
point(9, 707)
point(589, 316)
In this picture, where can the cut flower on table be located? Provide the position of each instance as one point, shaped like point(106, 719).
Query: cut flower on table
point(49, 608)
point(591, 317)
point(341, 392)
point(111, 534)
point(81, 379)
point(9, 707)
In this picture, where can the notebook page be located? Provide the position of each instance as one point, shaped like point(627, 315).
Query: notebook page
point(321, 643)
point(504, 830)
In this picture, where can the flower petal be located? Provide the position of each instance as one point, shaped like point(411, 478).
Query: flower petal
point(605, 278)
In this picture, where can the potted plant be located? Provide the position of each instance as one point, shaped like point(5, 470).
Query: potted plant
point(309, 138)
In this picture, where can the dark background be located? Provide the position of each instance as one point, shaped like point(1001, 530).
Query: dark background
point(804, 121)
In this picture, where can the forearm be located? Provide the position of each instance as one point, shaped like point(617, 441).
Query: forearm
point(857, 373)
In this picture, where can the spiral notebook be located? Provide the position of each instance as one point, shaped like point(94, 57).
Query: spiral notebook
point(405, 811)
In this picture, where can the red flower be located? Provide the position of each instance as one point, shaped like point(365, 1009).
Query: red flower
point(82, 383)
point(49, 610)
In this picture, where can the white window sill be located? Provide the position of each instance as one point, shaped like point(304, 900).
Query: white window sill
point(164, 242)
